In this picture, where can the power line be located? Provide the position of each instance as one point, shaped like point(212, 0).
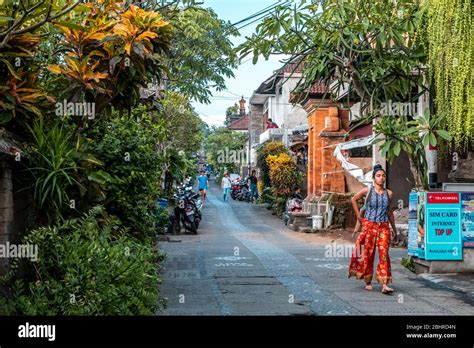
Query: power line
point(268, 8)
point(210, 117)
point(261, 14)
point(225, 97)
point(255, 20)
point(228, 91)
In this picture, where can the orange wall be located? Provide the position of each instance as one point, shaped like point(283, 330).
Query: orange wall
point(321, 149)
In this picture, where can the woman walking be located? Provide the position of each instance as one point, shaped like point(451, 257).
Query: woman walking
point(226, 184)
point(375, 233)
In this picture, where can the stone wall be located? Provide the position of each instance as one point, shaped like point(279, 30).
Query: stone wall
point(17, 214)
point(256, 122)
point(6, 209)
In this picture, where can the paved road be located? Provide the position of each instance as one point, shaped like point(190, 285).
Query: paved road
point(244, 261)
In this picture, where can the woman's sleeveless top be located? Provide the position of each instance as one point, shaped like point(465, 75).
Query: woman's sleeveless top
point(377, 206)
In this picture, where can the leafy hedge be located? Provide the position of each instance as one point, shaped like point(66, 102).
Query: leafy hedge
point(87, 266)
point(270, 148)
point(284, 175)
point(127, 149)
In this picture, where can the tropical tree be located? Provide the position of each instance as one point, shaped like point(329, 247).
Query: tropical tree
point(368, 48)
point(202, 55)
point(225, 149)
point(412, 136)
point(111, 52)
point(21, 25)
point(183, 136)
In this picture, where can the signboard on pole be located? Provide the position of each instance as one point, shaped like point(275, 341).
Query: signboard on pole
point(467, 219)
point(442, 226)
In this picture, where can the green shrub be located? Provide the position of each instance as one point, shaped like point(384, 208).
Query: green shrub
point(284, 175)
point(271, 148)
point(408, 263)
point(127, 149)
point(52, 164)
point(266, 196)
point(87, 266)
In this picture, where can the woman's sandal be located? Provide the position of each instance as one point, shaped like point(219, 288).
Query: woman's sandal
point(369, 287)
point(387, 291)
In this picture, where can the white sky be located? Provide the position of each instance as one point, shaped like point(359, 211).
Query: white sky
point(248, 76)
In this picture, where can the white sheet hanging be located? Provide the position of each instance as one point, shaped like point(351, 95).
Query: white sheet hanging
point(352, 169)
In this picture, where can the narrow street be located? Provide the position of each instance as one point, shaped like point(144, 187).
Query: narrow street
point(244, 261)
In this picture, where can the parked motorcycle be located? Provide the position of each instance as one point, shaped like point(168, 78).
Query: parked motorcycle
point(187, 210)
point(241, 191)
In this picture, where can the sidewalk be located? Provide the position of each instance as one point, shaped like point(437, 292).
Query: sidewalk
point(461, 284)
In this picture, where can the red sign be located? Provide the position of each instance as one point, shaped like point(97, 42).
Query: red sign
point(444, 198)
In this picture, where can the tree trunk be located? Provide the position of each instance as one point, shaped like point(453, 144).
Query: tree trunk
point(416, 175)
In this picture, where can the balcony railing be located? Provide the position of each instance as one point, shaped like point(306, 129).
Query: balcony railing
point(274, 134)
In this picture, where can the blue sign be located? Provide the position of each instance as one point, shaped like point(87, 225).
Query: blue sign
point(467, 219)
point(442, 226)
point(420, 214)
point(412, 224)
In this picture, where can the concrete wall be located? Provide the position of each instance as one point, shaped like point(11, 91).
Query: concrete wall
point(400, 179)
point(286, 114)
point(465, 171)
point(255, 122)
point(280, 110)
point(466, 265)
point(255, 129)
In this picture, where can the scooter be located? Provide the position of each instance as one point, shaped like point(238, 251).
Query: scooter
point(187, 211)
point(243, 193)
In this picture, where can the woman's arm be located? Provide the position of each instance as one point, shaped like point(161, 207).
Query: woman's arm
point(354, 200)
point(391, 217)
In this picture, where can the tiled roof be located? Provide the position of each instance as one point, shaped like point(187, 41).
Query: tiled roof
point(240, 124)
point(296, 67)
point(318, 87)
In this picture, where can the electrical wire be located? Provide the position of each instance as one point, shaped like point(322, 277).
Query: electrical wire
point(261, 15)
point(268, 8)
point(207, 116)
